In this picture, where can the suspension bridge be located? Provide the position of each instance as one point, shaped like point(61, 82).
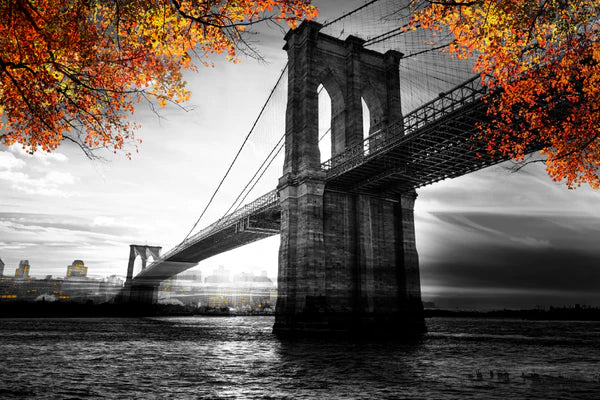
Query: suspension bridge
point(403, 114)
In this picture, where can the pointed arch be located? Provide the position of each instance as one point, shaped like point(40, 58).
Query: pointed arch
point(325, 145)
point(376, 108)
point(333, 87)
point(366, 114)
point(141, 253)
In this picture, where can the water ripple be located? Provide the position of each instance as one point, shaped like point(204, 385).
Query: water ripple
point(239, 357)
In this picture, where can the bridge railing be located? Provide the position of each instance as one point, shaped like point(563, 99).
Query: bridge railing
point(447, 103)
point(262, 203)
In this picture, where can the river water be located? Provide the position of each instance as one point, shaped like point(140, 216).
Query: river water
point(239, 357)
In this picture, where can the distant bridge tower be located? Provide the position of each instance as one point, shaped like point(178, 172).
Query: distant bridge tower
point(146, 292)
point(347, 259)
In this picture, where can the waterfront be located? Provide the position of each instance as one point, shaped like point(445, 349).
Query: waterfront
point(238, 357)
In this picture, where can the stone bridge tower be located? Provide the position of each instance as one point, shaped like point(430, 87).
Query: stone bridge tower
point(145, 292)
point(347, 259)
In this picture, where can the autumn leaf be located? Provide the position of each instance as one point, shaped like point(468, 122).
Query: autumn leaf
point(74, 70)
point(541, 61)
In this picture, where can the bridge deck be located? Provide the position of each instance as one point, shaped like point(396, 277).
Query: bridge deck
point(255, 221)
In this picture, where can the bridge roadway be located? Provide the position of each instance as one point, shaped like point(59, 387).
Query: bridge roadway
point(432, 143)
point(254, 221)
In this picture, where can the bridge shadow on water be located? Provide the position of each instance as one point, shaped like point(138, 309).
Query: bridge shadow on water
point(349, 367)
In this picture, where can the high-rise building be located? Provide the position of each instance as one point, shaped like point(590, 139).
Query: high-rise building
point(23, 270)
point(1, 268)
point(77, 269)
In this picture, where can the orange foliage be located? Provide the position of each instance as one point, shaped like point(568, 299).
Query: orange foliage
point(74, 69)
point(542, 59)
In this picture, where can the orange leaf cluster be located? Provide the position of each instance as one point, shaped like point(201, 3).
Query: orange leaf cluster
point(542, 61)
point(74, 69)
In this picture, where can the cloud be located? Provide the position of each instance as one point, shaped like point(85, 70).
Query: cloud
point(520, 230)
point(9, 162)
point(529, 191)
point(477, 256)
point(13, 246)
point(20, 175)
point(107, 221)
point(492, 227)
point(60, 178)
point(531, 241)
point(52, 241)
point(516, 279)
point(50, 184)
point(113, 224)
point(100, 225)
point(41, 156)
point(529, 269)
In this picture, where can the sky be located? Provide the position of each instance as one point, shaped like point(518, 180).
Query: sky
point(494, 238)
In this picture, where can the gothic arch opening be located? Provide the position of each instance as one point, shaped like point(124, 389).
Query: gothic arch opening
point(137, 266)
point(372, 106)
point(331, 115)
point(366, 116)
point(325, 144)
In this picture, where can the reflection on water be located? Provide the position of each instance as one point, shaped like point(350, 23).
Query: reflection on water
point(239, 357)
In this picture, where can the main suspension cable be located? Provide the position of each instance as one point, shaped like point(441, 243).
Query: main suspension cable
point(237, 154)
point(349, 13)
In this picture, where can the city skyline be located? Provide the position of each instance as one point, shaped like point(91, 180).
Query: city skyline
point(79, 269)
point(494, 234)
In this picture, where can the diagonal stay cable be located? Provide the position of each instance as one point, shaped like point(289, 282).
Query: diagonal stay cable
point(237, 154)
point(388, 35)
point(277, 147)
point(280, 145)
point(350, 13)
point(418, 53)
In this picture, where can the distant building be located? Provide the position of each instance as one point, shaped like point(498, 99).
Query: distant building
point(114, 280)
point(246, 293)
point(243, 277)
point(6, 284)
point(168, 285)
point(193, 276)
point(188, 282)
point(220, 275)
point(77, 269)
point(23, 270)
point(78, 289)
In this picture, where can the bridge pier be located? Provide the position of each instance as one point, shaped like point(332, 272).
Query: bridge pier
point(143, 294)
point(348, 263)
point(347, 259)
